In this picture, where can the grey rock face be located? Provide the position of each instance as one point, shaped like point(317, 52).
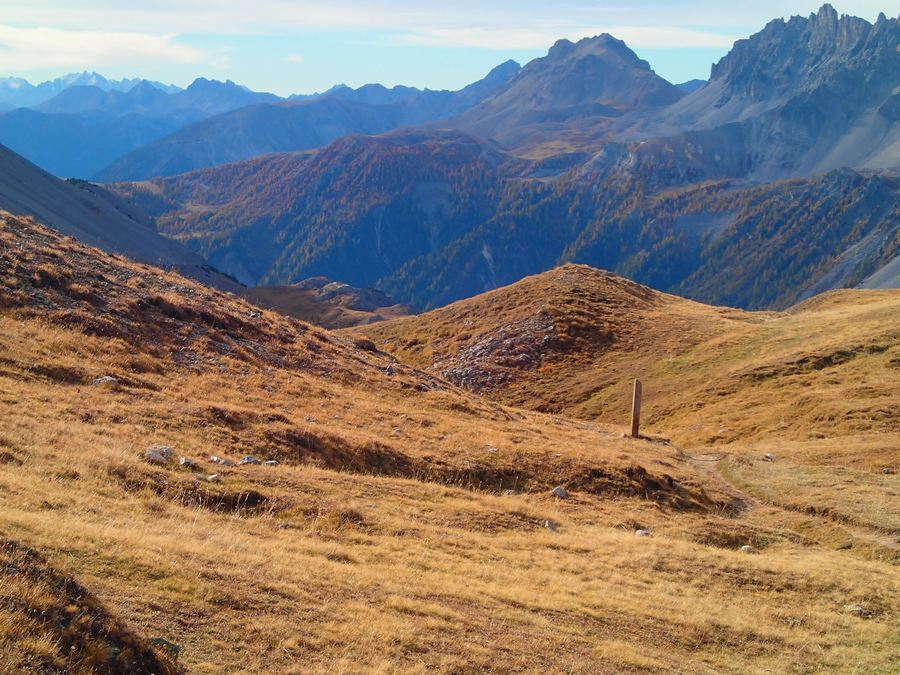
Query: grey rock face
point(160, 454)
point(106, 379)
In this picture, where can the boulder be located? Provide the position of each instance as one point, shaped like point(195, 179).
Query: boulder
point(189, 463)
point(642, 533)
point(751, 550)
point(159, 454)
point(249, 459)
point(106, 379)
point(550, 525)
point(560, 492)
point(271, 462)
point(215, 459)
point(769, 457)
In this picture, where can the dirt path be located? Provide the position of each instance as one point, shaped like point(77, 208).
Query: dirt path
point(707, 466)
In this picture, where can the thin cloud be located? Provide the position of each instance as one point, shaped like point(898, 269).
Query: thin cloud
point(522, 38)
point(415, 17)
point(295, 58)
point(32, 48)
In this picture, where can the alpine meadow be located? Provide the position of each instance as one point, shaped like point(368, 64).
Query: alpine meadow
point(579, 352)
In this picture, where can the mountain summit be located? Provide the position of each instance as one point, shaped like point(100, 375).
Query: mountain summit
point(802, 54)
point(594, 77)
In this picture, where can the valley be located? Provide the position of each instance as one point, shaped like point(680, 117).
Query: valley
point(342, 381)
point(409, 523)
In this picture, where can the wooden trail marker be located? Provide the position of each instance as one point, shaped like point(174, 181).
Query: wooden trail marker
point(636, 410)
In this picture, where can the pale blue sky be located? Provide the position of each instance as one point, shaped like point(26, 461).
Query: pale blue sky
point(298, 46)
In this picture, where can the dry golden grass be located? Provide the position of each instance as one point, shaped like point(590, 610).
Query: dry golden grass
point(384, 540)
point(49, 623)
point(818, 386)
point(306, 304)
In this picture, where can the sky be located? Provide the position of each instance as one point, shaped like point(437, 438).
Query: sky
point(304, 46)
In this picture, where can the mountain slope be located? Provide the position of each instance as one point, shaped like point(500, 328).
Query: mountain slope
point(574, 86)
point(327, 303)
point(803, 96)
point(384, 199)
point(77, 145)
point(441, 216)
point(94, 216)
point(384, 539)
point(298, 125)
point(571, 340)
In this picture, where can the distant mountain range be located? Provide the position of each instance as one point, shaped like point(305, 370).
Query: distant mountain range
point(18, 93)
point(91, 121)
point(778, 178)
point(299, 125)
point(87, 126)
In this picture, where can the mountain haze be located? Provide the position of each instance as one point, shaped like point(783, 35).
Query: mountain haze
point(86, 126)
point(294, 126)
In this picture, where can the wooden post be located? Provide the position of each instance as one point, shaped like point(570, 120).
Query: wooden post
point(636, 410)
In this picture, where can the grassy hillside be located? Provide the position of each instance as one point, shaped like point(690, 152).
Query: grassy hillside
point(327, 304)
point(408, 524)
point(818, 385)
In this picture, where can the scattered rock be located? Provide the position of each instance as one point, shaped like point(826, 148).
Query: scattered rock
point(271, 462)
point(215, 459)
point(751, 550)
point(212, 478)
point(159, 454)
point(769, 457)
point(492, 449)
point(859, 610)
point(106, 379)
point(550, 525)
point(642, 533)
point(511, 493)
point(189, 463)
point(560, 492)
point(249, 459)
point(888, 470)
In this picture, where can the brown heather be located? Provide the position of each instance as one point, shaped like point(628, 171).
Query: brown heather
point(384, 540)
